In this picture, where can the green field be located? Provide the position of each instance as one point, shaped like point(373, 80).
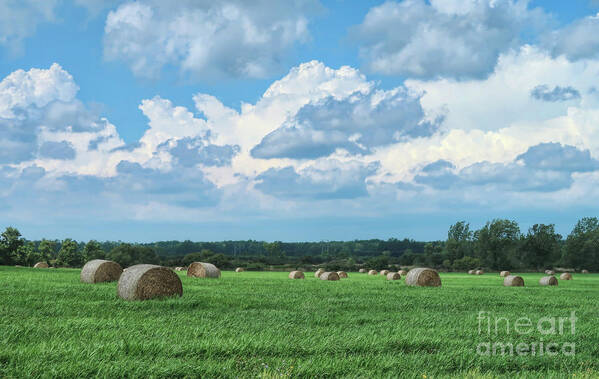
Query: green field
point(262, 324)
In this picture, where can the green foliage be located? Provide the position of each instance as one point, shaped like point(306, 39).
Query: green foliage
point(10, 243)
point(497, 243)
point(127, 255)
point(69, 254)
point(466, 263)
point(541, 246)
point(47, 250)
point(93, 250)
point(582, 245)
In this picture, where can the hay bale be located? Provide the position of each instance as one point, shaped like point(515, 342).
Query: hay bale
point(479, 272)
point(239, 269)
point(332, 275)
point(585, 271)
point(41, 265)
point(384, 272)
point(566, 276)
point(100, 270)
point(318, 273)
point(503, 274)
point(363, 270)
point(373, 272)
point(402, 273)
point(203, 270)
point(393, 276)
point(548, 281)
point(471, 272)
point(143, 282)
point(296, 275)
point(549, 272)
point(513, 281)
point(342, 274)
point(179, 269)
point(423, 277)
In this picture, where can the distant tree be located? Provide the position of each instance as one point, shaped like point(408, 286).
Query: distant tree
point(10, 242)
point(28, 255)
point(407, 258)
point(93, 250)
point(69, 254)
point(466, 263)
point(582, 245)
point(459, 240)
point(128, 255)
point(496, 242)
point(541, 246)
point(46, 250)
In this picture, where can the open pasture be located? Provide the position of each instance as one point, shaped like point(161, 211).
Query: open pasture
point(263, 324)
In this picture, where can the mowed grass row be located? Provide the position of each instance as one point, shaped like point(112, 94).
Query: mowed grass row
point(262, 324)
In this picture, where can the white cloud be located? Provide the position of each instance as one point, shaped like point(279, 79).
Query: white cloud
point(19, 19)
point(223, 38)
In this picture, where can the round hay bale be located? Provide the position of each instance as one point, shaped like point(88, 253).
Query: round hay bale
point(585, 271)
point(363, 270)
point(548, 281)
point(100, 270)
point(342, 274)
point(393, 276)
point(296, 275)
point(513, 281)
point(239, 269)
point(373, 272)
point(402, 273)
point(503, 274)
point(549, 272)
point(179, 269)
point(332, 275)
point(41, 265)
point(318, 273)
point(143, 282)
point(471, 272)
point(423, 277)
point(384, 272)
point(566, 276)
point(479, 272)
point(203, 270)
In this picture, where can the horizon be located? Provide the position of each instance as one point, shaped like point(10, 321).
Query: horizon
point(308, 121)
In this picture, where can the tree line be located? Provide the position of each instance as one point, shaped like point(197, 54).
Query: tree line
point(498, 245)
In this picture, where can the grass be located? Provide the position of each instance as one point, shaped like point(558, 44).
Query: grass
point(262, 324)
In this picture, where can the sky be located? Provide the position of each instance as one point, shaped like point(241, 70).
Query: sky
point(302, 120)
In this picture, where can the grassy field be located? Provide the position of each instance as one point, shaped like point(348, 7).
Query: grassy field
point(261, 324)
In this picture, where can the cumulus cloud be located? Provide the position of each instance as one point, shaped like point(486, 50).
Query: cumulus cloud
point(575, 41)
point(546, 167)
point(57, 150)
point(19, 19)
point(325, 179)
point(357, 124)
point(443, 38)
point(223, 38)
point(544, 93)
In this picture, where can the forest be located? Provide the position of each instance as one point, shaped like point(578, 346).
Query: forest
point(498, 245)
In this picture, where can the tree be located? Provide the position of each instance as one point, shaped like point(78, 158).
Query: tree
point(69, 254)
point(459, 240)
point(46, 250)
point(10, 242)
point(497, 242)
point(541, 246)
point(28, 255)
point(128, 255)
point(581, 245)
point(93, 250)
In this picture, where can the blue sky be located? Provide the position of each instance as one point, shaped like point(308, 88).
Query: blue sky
point(305, 121)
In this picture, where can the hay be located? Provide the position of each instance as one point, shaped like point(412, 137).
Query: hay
point(384, 272)
point(318, 273)
point(329, 276)
point(393, 276)
point(203, 270)
point(100, 270)
point(585, 271)
point(549, 272)
point(479, 272)
point(143, 282)
point(373, 272)
point(503, 274)
point(471, 272)
point(296, 275)
point(423, 277)
point(548, 281)
point(179, 269)
point(363, 270)
point(41, 265)
point(342, 274)
point(402, 273)
point(513, 281)
point(239, 269)
point(566, 276)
